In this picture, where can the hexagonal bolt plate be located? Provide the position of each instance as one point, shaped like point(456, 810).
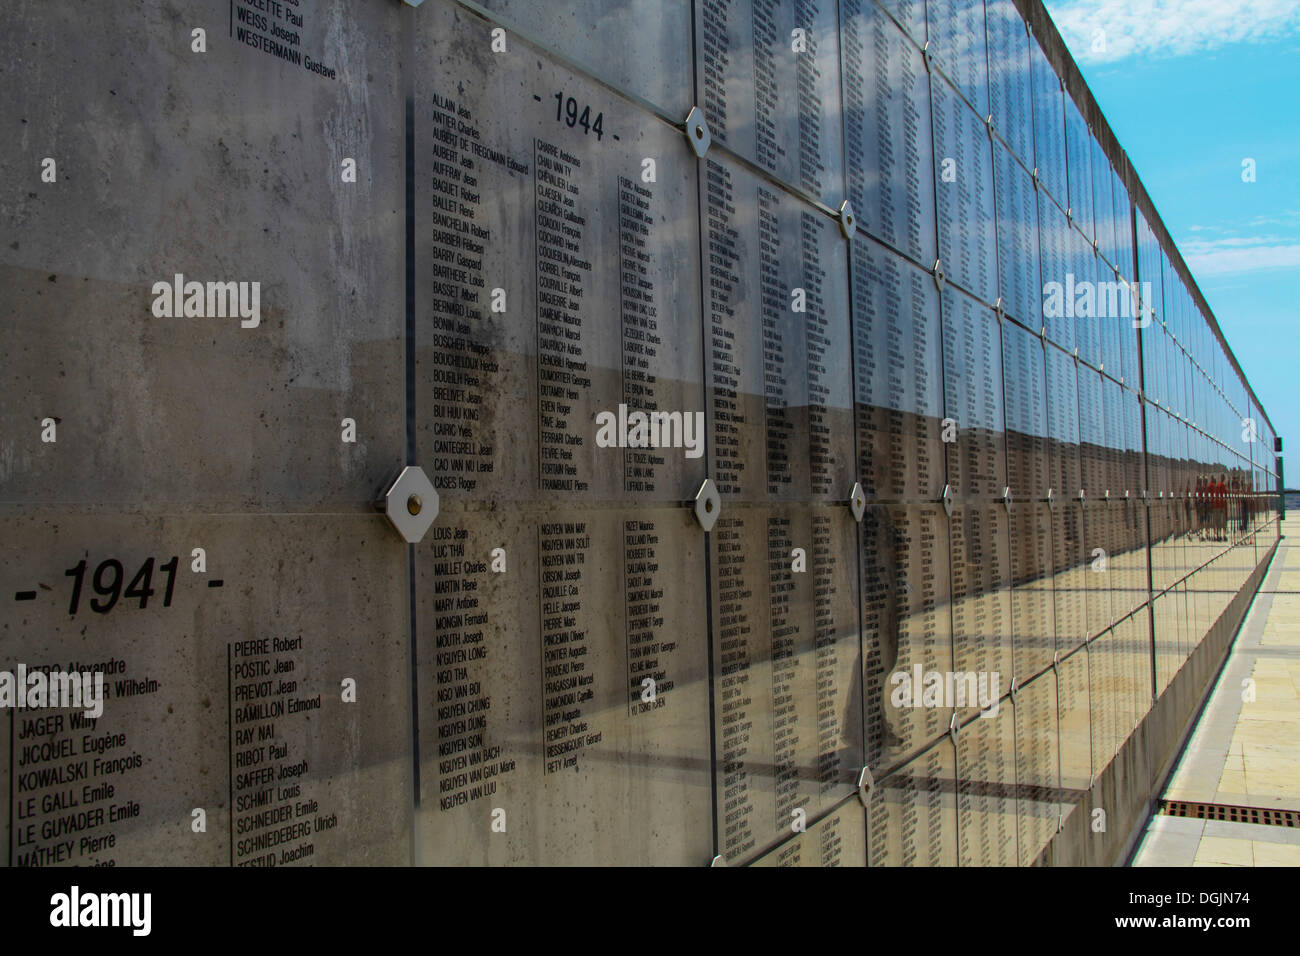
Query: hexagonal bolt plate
point(866, 784)
point(858, 502)
point(954, 729)
point(1051, 500)
point(718, 860)
point(937, 271)
point(947, 499)
point(848, 221)
point(697, 131)
point(1006, 497)
point(1015, 689)
point(411, 503)
point(708, 503)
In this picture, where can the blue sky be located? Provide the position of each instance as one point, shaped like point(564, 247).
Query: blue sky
point(1191, 88)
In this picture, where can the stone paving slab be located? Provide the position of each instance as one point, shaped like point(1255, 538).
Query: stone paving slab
point(1245, 750)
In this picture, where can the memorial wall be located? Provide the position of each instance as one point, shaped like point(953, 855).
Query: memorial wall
point(632, 432)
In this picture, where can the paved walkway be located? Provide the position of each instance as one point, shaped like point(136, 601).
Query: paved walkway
point(1245, 753)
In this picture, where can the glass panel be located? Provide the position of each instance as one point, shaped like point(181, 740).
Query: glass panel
point(1069, 569)
point(1135, 481)
point(1011, 100)
point(634, 45)
point(906, 627)
point(887, 132)
point(1037, 769)
point(1097, 549)
point(1017, 225)
point(527, 705)
point(1063, 424)
point(780, 372)
point(899, 398)
point(524, 704)
point(1166, 645)
point(1024, 385)
point(1133, 664)
point(839, 839)
point(566, 199)
point(1078, 142)
point(910, 14)
point(1059, 281)
point(972, 349)
point(1123, 226)
point(1092, 433)
point(1032, 613)
point(1107, 708)
point(981, 606)
point(1142, 648)
point(1092, 304)
point(963, 175)
point(777, 107)
point(1131, 580)
point(1074, 727)
point(1129, 352)
point(1113, 437)
point(790, 721)
point(912, 813)
point(956, 35)
point(986, 790)
point(1049, 124)
point(1103, 203)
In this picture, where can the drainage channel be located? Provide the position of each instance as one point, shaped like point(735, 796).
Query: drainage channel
point(1230, 813)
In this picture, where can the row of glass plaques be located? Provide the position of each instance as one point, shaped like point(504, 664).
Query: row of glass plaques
point(567, 668)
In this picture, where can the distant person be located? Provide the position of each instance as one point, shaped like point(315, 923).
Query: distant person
point(1200, 507)
point(1219, 506)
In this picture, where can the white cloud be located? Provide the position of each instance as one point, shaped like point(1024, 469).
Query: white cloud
point(1290, 217)
point(1234, 255)
point(1104, 31)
